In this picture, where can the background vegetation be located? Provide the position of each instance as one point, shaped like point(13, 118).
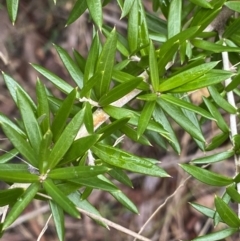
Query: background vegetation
point(156, 81)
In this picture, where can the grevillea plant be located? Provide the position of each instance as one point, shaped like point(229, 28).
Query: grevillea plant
point(70, 146)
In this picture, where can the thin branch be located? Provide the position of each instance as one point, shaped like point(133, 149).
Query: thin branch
point(162, 205)
point(114, 225)
point(232, 117)
point(44, 228)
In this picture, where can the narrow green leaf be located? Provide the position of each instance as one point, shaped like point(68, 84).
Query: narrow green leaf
point(233, 193)
point(20, 144)
point(206, 176)
point(153, 66)
point(214, 158)
point(161, 118)
point(71, 66)
point(124, 160)
point(88, 117)
point(174, 18)
point(119, 91)
point(10, 196)
point(43, 107)
point(236, 143)
point(233, 5)
point(65, 140)
point(234, 83)
point(214, 76)
point(120, 112)
point(57, 81)
point(232, 28)
point(126, 8)
point(120, 176)
point(179, 117)
point(21, 204)
point(44, 151)
point(12, 7)
point(111, 128)
point(202, 3)
point(17, 173)
point(62, 115)
point(96, 183)
point(58, 218)
point(78, 9)
point(105, 63)
point(13, 87)
point(145, 117)
point(220, 101)
point(77, 172)
point(170, 47)
point(203, 17)
point(133, 27)
point(8, 155)
point(125, 201)
point(217, 141)
point(95, 9)
point(79, 147)
point(215, 48)
point(186, 76)
point(216, 114)
point(86, 193)
point(204, 210)
point(85, 205)
point(80, 60)
point(122, 77)
point(59, 198)
point(4, 119)
point(29, 120)
point(91, 59)
point(91, 83)
point(131, 133)
point(143, 35)
point(219, 235)
point(226, 213)
point(186, 105)
point(226, 198)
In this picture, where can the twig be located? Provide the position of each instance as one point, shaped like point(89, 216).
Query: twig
point(44, 228)
point(232, 117)
point(162, 205)
point(114, 225)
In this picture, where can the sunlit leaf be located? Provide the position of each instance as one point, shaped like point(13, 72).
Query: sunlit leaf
point(58, 218)
point(105, 63)
point(214, 158)
point(59, 198)
point(12, 7)
point(62, 115)
point(57, 81)
point(20, 144)
point(186, 76)
point(219, 235)
point(233, 5)
point(226, 213)
point(65, 140)
point(21, 204)
point(206, 176)
point(29, 120)
point(95, 9)
point(174, 18)
point(10, 196)
point(125, 160)
point(77, 172)
point(77, 10)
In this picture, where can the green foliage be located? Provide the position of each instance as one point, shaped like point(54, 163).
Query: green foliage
point(68, 151)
